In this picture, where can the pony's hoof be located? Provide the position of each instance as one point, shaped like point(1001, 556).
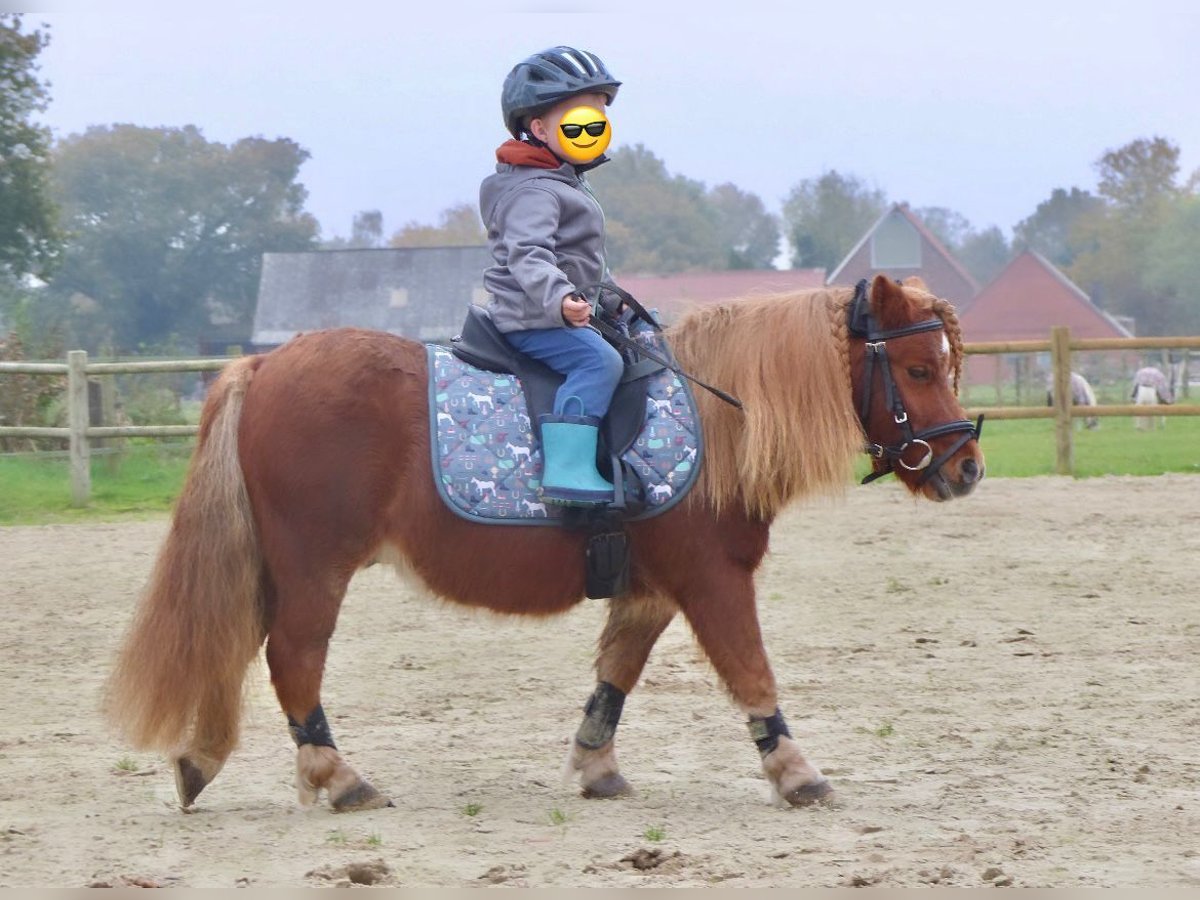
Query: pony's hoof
point(813, 792)
point(611, 785)
point(189, 781)
point(306, 793)
point(361, 796)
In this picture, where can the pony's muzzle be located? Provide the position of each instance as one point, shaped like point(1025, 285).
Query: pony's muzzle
point(955, 480)
point(970, 471)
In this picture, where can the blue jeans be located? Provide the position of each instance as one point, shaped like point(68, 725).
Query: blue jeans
point(592, 365)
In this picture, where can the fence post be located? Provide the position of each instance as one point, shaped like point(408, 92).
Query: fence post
point(77, 421)
point(1060, 360)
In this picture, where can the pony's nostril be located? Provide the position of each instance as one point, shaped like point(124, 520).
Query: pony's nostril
point(969, 470)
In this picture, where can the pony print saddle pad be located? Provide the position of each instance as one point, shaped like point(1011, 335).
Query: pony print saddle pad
point(488, 466)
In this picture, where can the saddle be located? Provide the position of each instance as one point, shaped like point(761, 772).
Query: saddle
point(482, 345)
point(485, 396)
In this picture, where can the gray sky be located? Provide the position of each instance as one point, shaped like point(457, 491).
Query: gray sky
point(983, 108)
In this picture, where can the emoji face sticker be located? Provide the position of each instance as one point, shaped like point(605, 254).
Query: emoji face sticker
point(583, 134)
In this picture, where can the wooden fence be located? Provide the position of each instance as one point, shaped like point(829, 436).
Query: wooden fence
point(1060, 346)
point(79, 433)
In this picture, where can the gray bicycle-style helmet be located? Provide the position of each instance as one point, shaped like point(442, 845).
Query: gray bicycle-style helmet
point(548, 77)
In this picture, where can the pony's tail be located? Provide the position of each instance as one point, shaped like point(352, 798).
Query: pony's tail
point(200, 621)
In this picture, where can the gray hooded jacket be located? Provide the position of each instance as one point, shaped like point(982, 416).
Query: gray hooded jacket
point(546, 234)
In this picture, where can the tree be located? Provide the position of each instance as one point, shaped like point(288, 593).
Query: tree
point(1173, 265)
point(749, 234)
point(1140, 174)
point(367, 230)
point(1140, 194)
point(824, 216)
point(1054, 229)
point(458, 226)
point(29, 236)
point(951, 228)
point(655, 222)
point(168, 229)
point(984, 253)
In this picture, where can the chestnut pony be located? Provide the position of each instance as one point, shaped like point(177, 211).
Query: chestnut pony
point(313, 461)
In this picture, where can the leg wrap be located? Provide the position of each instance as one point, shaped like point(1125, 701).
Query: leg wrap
point(600, 717)
point(766, 732)
point(315, 730)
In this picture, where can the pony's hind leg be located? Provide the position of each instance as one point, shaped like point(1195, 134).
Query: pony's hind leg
point(297, 644)
point(214, 736)
point(634, 624)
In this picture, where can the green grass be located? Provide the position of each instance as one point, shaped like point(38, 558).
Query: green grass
point(126, 764)
point(558, 817)
point(147, 479)
point(1020, 447)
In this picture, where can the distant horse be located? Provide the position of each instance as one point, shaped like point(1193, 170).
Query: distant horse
point(1150, 388)
point(1081, 395)
point(314, 460)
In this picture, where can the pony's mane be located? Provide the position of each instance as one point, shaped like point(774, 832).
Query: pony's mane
point(787, 358)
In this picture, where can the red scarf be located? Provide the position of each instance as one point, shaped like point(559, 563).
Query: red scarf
point(519, 153)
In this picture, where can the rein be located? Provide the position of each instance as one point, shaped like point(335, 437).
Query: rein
point(617, 336)
point(863, 325)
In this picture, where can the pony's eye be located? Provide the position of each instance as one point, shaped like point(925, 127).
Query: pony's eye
point(920, 373)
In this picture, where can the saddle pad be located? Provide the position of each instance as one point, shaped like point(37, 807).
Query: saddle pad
point(488, 467)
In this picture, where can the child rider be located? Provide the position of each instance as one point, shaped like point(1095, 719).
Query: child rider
point(546, 235)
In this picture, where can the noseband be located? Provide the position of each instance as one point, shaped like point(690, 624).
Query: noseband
point(863, 325)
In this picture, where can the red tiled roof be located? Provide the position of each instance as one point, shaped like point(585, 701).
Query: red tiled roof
point(1027, 299)
point(673, 294)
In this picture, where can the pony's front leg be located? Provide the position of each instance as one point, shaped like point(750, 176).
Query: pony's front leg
point(725, 621)
point(634, 624)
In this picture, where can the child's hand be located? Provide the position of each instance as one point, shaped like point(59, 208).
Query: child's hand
point(575, 310)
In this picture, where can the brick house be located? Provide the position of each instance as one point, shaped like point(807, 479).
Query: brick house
point(1023, 302)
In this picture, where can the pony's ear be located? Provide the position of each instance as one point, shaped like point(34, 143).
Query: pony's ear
point(916, 281)
point(889, 306)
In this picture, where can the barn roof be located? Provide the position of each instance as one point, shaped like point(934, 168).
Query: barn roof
point(927, 257)
point(423, 292)
point(1027, 299)
point(419, 292)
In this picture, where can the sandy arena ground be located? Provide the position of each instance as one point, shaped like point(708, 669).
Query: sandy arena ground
point(1004, 690)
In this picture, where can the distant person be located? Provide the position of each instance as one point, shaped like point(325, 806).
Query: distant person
point(545, 231)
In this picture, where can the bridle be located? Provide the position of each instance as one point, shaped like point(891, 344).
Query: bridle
point(863, 325)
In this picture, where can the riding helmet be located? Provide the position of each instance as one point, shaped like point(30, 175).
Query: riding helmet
point(545, 78)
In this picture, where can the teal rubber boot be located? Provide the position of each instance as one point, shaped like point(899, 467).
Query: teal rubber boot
point(569, 476)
